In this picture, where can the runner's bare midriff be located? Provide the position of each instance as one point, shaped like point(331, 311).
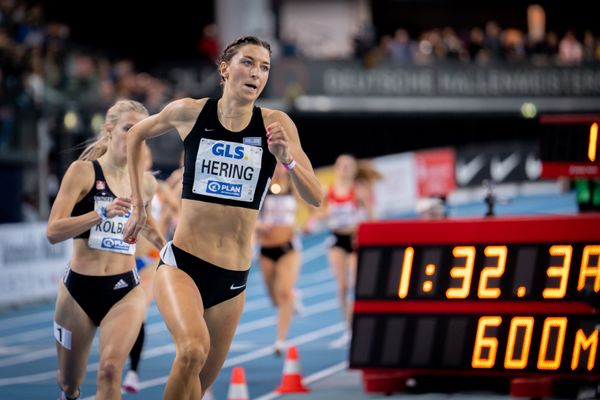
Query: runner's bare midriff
point(276, 236)
point(88, 261)
point(218, 234)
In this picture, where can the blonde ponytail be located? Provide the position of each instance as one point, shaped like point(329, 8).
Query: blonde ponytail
point(99, 145)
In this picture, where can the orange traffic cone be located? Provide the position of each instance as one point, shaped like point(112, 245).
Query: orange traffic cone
point(291, 381)
point(238, 390)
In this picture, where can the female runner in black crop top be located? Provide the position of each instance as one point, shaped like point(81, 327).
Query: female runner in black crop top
point(100, 286)
point(231, 148)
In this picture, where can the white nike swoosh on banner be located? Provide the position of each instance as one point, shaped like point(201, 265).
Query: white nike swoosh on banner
point(533, 167)
point(209, 129)
point(233, 287)
point(465, 172)
point(501, 168)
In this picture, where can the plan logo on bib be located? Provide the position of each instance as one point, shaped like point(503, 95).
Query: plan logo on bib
point(114, 244)
point(223, 188)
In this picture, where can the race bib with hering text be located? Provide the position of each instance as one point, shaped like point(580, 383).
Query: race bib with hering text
point(227, 170)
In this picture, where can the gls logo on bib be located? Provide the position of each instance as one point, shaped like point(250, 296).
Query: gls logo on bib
point(228, 151)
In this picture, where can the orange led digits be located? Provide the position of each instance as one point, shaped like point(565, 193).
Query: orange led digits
point(465, 272)
point(485, 343)
point(430, 269)
point(516, 324)
point(520, 334)
point(558, 324)
point(490, 272)
point(406, 270)
point(428, 284)
point(587, 270)
point(561, 272)
point(593, 142)
point(585, 342)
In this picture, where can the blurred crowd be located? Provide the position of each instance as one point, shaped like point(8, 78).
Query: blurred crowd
point(480, 45)
point(41, 69)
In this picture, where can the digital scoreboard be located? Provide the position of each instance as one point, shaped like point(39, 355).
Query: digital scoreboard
point(510, 297)
point(569, 145)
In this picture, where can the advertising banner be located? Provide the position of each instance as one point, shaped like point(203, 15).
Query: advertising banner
point(30, 267)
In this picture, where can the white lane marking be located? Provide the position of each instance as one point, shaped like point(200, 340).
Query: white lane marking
point(15, 322)
point(307, 293)
point(317, 376)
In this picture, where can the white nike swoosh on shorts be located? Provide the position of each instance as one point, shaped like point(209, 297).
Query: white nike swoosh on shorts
point(233, 287)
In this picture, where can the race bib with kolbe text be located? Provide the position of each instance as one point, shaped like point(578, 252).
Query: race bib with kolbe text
point(227, 170)
point(108, 234)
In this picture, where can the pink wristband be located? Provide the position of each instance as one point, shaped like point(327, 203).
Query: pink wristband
point(289, 166)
